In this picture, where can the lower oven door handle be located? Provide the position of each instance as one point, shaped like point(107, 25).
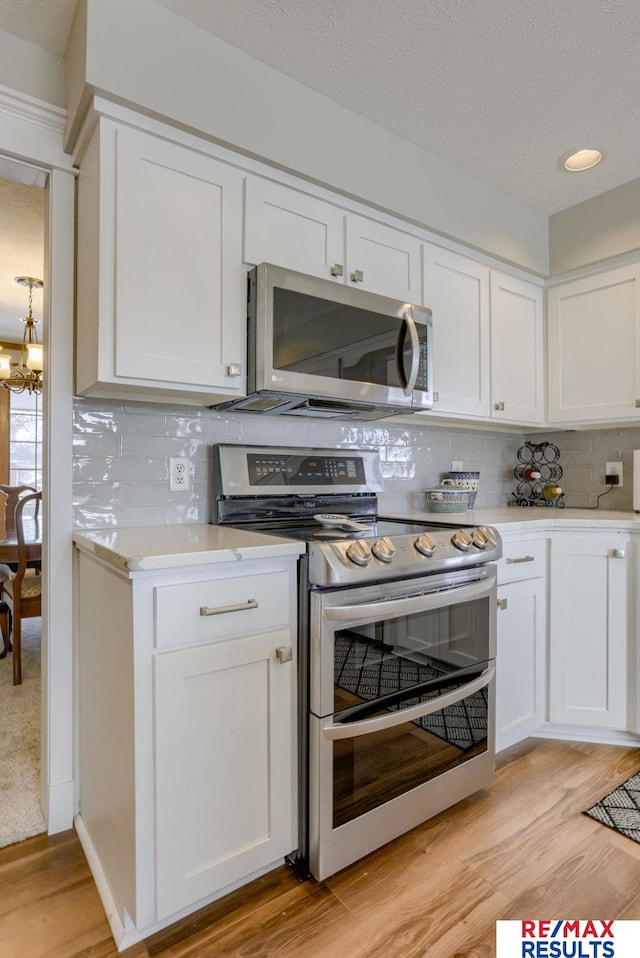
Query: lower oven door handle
point(399, 717)
point(411, 603)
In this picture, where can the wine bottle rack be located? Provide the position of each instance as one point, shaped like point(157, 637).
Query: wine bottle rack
point(534, 458)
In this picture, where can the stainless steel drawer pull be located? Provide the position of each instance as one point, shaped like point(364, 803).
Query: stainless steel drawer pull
point(498, 406)
point(502, 603)
point(619, 554)
point(520, 559)
point(221, 609)
point(337, 269)
point(284, 653)
point(357, 276)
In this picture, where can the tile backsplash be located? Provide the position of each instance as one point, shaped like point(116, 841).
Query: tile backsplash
point(583, 456)
point(122, 450)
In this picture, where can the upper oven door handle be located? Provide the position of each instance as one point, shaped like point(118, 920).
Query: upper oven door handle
point(399, 717)
point(422, 601)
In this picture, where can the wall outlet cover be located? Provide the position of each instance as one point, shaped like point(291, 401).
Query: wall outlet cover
point(179, 477)
point(614, 469)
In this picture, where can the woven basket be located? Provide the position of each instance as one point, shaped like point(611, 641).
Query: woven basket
point(447, 500)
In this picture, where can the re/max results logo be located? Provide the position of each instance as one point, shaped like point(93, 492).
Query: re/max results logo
point(567, 938)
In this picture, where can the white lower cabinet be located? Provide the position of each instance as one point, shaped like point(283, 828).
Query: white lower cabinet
point(224, 779)
point(521, 635)
point(187, 731)
point(588, 630)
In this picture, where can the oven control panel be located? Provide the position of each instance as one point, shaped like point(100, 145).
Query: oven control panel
point(346, 562)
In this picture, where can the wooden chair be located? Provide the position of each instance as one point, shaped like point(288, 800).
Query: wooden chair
point(14, 494)
point(21, 595)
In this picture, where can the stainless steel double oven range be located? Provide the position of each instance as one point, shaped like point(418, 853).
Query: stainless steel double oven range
point(396, 646)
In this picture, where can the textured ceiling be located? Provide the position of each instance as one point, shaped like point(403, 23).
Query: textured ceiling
point(499, 88)
point(21, 254)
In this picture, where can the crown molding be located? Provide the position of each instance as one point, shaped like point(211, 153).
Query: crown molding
point(32, 131)
point(21, 106)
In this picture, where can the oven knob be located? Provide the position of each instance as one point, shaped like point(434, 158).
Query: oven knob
point(425, 544)
point(384, 549)
point(489, 535)
point(480, 538)
point(461, 540)
point(359, 552)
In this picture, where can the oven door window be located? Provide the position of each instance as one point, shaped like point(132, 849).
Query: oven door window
point(385, 667)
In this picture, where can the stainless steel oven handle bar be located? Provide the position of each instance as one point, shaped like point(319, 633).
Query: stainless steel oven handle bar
point(399, 717)
point(407, 604)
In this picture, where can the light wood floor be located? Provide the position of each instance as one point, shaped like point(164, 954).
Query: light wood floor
point(521, 849)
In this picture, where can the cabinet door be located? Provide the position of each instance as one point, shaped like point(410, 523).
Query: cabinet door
point(520, 666)
point(225, 781)
point(588, 633)
point(517, 375)
point(594, 347)
point(457, 290)
point(383, 260)
point(178, 278)
point(292, 229)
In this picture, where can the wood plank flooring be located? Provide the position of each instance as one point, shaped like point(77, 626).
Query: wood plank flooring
point(520, 849)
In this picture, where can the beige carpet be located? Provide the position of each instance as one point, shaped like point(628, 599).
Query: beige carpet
point(20, 813)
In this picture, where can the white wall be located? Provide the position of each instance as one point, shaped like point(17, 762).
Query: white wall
point(29, 69)
point(588, 232)
point(146, 57)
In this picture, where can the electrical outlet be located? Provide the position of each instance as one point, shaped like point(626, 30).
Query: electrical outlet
point(614, 469)
point(179, 478)
point(457, 465)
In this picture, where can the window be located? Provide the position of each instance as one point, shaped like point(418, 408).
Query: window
point(25, 440)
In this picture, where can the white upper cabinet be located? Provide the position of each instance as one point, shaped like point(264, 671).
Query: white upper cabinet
point(293, 230)
point(517, 350)
point(594, 347)
point(383, 260)
point(160, 285)
point(307, 234)
point(457, 290)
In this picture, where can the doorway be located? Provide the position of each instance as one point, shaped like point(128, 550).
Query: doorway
point(22, 253)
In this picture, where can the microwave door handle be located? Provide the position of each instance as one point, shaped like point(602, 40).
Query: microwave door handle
point(399, 717)
point(409, 381)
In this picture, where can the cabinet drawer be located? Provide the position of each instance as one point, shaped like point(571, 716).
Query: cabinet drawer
point(522, 560)
point(193, 612)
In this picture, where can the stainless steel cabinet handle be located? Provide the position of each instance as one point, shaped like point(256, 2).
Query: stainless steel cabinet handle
point(234, 369)
point(619, 554)
point(436, 397)
point(502, 603)
point(221, 609)
point(337, 269)
point(284, 653)
point(498, 406)
point(520, 559)
point(357, 276)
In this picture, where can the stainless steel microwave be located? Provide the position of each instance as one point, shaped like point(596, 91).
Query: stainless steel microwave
point(319, 348)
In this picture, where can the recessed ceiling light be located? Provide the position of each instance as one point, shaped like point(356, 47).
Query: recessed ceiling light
point(582, 160)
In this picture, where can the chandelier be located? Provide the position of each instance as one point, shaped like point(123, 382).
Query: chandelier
point(26, 374)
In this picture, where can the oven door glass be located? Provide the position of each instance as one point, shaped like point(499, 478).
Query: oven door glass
point(410, 702)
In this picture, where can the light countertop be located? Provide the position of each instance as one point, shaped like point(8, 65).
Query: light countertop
point(140, 549)
point(515, 518)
